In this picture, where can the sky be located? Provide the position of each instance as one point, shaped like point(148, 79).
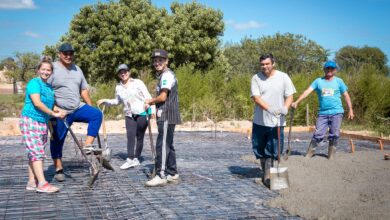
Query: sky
point(29, 25)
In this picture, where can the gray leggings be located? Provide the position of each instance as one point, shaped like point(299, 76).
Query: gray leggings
point(325, 122)
point(135, 128)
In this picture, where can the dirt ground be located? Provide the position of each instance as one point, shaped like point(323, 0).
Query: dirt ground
point(352, 186)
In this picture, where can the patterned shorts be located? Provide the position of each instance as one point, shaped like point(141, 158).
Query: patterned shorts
point(34, 137)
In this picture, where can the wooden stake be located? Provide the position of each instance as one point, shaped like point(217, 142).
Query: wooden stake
point(380, 144)
point(352, 145)
point(307, 115)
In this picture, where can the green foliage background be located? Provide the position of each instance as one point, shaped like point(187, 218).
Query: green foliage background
point(214, 80)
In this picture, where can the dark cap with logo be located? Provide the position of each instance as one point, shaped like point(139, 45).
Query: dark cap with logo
point(160, 53)
point(66, 47)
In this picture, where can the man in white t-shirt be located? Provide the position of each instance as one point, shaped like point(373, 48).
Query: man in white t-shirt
point(272, 91)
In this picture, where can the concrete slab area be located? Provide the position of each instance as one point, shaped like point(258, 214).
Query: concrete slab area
point(215, 182)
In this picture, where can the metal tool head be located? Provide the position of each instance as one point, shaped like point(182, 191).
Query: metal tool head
point(94, 172)
point(279, 178)
point(106, 164)
point(107, 153)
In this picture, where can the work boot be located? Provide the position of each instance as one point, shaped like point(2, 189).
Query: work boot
point(332, 148)
point(262, 164)
point(267, 171)
point(312, 149)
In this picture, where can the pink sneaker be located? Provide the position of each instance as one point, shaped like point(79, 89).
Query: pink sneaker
point(47, 188)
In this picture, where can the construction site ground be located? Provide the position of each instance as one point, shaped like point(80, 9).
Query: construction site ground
point(217, 181)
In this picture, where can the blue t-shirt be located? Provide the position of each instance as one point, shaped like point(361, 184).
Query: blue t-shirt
point(329, 93)
point(37, 86)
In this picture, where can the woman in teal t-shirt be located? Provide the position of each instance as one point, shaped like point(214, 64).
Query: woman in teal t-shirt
point(36, 112)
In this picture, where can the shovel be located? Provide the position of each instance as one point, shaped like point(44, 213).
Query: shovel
point(279, 175)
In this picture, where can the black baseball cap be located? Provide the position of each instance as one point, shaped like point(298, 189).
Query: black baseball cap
point(160, 53)
point(66, 47)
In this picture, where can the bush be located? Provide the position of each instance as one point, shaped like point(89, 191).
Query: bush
point(107, 91)
point(212, 95)
point(11, 105)
point(369, 91)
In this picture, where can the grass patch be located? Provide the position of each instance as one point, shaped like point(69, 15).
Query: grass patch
point(11, 105)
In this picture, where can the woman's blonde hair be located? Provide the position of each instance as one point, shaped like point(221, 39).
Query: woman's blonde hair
point(45, 59)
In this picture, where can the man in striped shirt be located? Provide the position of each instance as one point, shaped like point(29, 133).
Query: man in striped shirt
point(168, 116)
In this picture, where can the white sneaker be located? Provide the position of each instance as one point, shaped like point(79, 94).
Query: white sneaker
point(129, 162)
point(156, 181)
point(136, 162)
point(173, 178)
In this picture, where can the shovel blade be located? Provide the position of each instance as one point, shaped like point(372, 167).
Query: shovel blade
point(107, 154)
point(92, 179)
point(106, 164)
point(279, 178)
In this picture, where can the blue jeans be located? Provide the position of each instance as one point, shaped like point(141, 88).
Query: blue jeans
point(87, 114)
point(265, 141)
point(333, 122)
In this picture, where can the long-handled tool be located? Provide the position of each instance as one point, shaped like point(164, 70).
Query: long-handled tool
point(94, 166)
point(288, 151)
point(152, 146)
point(107, 152)
point(279, 175)
point(98, 157)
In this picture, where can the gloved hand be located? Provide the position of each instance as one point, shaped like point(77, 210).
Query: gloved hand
point(102, 101)
point(284, 110)
point(274, 111)
point(278, 111)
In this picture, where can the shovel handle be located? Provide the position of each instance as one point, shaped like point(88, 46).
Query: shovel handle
point(278, 130)
point(103, 123)
point(152, 146)
point(288, 151)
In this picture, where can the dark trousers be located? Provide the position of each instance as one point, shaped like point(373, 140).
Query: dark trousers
point(165, 152)
point(265, 141)
point(135, 129)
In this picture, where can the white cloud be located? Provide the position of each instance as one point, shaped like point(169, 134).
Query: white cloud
point(246, 25)
point(32, 34)
point(17, 4)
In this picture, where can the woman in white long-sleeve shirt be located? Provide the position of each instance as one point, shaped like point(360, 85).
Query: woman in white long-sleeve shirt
point(132, 94)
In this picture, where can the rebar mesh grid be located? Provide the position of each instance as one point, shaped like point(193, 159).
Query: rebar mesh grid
point(215, 183)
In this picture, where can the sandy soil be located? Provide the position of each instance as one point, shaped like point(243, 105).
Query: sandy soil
point(352, 186)
point(10, 126)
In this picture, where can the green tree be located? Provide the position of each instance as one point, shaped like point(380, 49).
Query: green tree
point(354, 58)
point(23, 67)
point(8, 65)
point(293, 53)
point(107, 34)
point(195, 29)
